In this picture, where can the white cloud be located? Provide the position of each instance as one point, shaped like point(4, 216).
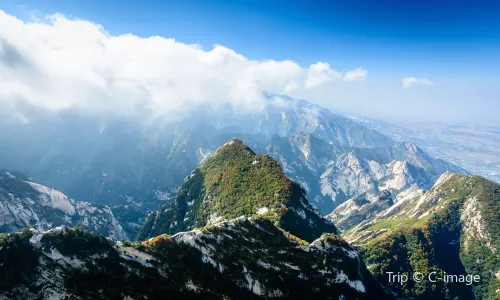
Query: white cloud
point(410, 81)
point(356, 74)
point(60, 63)
point(320, 73)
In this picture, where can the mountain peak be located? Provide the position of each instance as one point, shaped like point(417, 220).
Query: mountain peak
point(443, 178)
point(236, 182)
point(236, 146)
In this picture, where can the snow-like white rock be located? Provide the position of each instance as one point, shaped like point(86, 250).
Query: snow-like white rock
point(54, 198)
point(46, 207)
point(262, 210)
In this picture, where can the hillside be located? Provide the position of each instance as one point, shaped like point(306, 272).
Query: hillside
point(237, 259)
point(453, 228)
point(24, 203)
point(235, 182)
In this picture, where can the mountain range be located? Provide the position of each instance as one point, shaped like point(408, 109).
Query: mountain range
point(279, 247)
point(134, 166)
point(290, 202)
point(472, 146)
point(257, 255)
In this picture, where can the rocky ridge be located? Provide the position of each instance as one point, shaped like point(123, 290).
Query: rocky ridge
point(24, 203)
point(451, 229)
point(243, 258)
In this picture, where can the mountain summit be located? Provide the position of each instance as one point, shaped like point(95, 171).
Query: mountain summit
point(235, 182)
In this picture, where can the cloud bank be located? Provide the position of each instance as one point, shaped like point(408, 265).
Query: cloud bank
point(408, 82)
point(59, 63)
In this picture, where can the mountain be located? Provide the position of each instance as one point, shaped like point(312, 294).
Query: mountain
point(283, 116)
point(333, 174)
point(334, 158)
point(234, 182)
point(136, 164)
point(451, 229)
point(238, 229)
point(472, 146)
point(244, 258)
point(112, 161)
point(24, 203)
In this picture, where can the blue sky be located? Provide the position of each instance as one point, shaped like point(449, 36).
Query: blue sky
point(454, 44)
